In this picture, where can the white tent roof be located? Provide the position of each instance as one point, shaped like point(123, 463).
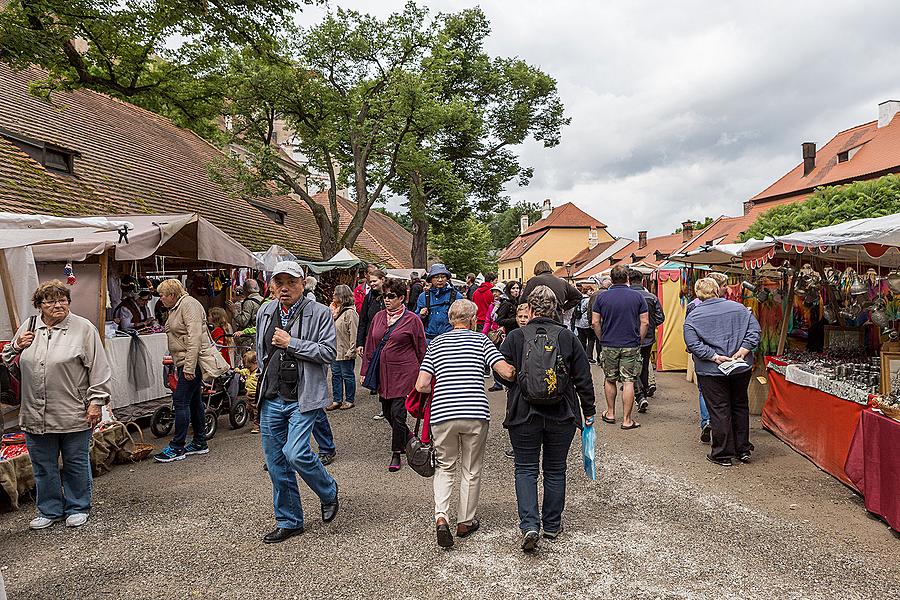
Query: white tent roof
point(344, 254)
point(878, 230)
point(26, 230)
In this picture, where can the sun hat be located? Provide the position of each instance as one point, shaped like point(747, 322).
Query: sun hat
point(438, 269)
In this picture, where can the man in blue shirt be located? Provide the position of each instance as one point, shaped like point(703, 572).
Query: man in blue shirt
point(434, 304)
point(621, 321)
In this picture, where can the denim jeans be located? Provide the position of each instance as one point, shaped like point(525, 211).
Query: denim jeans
point(61, 495)
point(704, 413)
point(286, 444)
point(527, 440)
point(343, 381)
point(323, 435)
point(189, 409)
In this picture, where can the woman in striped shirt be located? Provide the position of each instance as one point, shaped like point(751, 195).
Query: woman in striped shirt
point(460, 414)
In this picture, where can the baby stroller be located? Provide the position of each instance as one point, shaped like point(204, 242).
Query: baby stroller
point(220, 396)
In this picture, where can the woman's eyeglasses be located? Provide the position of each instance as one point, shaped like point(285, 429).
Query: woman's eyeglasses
point(60, 302)
point(391, 296)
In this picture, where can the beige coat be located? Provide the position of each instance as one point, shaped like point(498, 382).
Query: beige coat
point(63, 371)
point(346, 325)
point(187, 332)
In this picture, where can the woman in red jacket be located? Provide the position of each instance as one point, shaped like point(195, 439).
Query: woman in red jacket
point(397, 336)
point(484, 299)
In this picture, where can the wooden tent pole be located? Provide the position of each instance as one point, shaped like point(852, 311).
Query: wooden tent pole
point(787, 310)
point(101, 296)
point(11, 307)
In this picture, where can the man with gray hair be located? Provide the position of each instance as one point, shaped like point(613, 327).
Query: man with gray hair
point(245, 312)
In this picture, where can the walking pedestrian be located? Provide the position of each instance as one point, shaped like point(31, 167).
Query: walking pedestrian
point(296, 343)
point(471, 285)
point(64, 383)
point(343, 377)
point(545, 423)
point(567, 297)
point(187, 335)
point(705, 430)
point(244, 313)
point(433, 303)
point(656, 317)
point(722, 335)
point(581, 321)
point(506, 313)
point(415, 290)
point(372, 304)
point(483, 298)
point(620, 321)
point(494, 332)
point(395, 347)
point(460, 415)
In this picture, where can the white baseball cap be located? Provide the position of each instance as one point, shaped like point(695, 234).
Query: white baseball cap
point(288, 267)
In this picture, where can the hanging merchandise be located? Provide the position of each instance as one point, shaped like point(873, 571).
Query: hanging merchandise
point(69, 272)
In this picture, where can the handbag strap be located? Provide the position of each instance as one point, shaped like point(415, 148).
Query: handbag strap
point(387, 333)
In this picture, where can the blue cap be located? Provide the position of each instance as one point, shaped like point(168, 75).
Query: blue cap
point(438, 269)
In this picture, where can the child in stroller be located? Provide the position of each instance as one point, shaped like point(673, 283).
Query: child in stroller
point(249, 374)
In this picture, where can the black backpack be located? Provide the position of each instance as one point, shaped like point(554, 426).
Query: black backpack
point(544, 376)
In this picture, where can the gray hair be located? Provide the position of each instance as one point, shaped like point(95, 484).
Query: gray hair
point(344, 295)
point(606, 282)
point(543, 302)
point(462, 312)
point(706, 288)
point(311, 283)
point(251, 286)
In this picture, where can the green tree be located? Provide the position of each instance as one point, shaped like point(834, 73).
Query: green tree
point(505, 225)
point(401, 218)
point(698, 225)
point(125, 49)
point(465, 246)
point(829, 206)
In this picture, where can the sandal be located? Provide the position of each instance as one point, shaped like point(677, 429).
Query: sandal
point(634, 425)
point(606, 419)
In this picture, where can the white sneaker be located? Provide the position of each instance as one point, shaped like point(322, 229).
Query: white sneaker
point(41, 522)
point(76, 519)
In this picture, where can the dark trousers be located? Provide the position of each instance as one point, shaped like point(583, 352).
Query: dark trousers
point(645, 371)
point(589, 342)
point(527, 441)
point(729, 413)
point(189, 409)
point(394, 410)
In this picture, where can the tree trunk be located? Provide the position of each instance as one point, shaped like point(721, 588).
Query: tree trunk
point(419, 217)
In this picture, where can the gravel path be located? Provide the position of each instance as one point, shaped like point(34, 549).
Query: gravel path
point(660, 522)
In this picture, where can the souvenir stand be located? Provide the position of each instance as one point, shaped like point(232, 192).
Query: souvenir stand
point(671, 354)
point(833, 406)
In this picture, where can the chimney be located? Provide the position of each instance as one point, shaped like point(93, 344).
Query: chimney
point(886, 112)
point(523, 223)
point(642, 239)
point(687, 230)
point(809, 157)
point(546, 209)
point(593, 238)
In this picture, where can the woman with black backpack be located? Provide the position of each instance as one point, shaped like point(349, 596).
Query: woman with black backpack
point(543, 412)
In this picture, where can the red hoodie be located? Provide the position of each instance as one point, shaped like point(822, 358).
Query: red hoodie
point(483, 299)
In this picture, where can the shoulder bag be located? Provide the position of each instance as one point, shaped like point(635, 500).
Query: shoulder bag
point(373, 377)
point(212, 363)
point(420, 454)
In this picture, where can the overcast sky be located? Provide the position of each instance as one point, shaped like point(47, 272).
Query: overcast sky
point(687, 109)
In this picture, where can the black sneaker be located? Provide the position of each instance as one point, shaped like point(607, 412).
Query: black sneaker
point(722, 462)
point(706, 434)
point(651, 390)
point(195, 448)
point(327, 459)
point(530, 541)
point(378, 417)
point(642, 405)
point(744, 457)
point(552, 535)
point(170, 454)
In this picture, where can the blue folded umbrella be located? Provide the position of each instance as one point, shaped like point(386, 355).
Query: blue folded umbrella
point(588, 438)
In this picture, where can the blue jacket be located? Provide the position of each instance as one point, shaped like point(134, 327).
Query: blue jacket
point(719, 326)
point(440, 301)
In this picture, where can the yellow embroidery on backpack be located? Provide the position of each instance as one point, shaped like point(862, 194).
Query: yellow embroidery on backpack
point(550, 380)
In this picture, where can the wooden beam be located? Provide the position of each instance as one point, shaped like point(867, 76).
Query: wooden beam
point(8, 296)
point(101, 296)
point(787, 311)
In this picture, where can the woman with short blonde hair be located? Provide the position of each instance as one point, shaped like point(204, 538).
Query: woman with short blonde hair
point(706, 288)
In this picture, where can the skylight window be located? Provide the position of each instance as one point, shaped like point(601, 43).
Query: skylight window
point(277, 216)
point(50, 156)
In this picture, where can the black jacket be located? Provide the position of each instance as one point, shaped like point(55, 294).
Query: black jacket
point(654, 313)
point(415, 289)
point(567, 296)
point(371, 306)
point(506, 314)
point(518, 410)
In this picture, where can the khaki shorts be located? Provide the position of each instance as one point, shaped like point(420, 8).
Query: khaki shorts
point(622, 364)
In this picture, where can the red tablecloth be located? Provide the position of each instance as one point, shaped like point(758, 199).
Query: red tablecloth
point(817, 425)
point(873, 465)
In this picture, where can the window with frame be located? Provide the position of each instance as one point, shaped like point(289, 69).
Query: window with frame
point(277, 216)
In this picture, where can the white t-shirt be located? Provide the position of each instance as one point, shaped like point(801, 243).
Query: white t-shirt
point(456, 360)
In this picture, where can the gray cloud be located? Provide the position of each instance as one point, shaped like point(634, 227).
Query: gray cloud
point(686, 109)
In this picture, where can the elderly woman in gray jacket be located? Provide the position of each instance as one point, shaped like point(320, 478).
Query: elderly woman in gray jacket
point(718, 332)
point(64, 383)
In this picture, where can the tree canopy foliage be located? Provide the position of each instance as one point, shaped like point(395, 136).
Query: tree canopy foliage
point(829, 206)
point(504, 225)
point(465, 246)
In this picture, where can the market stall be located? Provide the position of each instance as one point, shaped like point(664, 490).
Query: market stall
point(671, 354)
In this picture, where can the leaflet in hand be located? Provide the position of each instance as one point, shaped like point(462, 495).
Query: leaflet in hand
point(729, 366)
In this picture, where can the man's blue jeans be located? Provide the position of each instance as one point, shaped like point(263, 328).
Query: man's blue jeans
point(189, 409)
point(343, 381)
point(61, 495)
point(527, 440)
point(286, 444)
point(323, 435)
point(704, 413)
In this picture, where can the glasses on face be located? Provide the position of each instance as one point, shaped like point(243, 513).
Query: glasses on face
point(442, 277)
point(391, 296)
point(59, 302)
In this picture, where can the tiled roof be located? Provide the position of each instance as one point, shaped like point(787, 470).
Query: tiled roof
point(665, 244)
point(878, 154)
point(521, 244)
point(134, 161)
point(724, 230)
point(566, 215)
point(584, 257)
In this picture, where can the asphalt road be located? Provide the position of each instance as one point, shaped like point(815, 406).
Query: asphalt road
point(660, 522)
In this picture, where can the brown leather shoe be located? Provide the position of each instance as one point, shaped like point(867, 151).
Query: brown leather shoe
point(444, 537)
point(464, 530)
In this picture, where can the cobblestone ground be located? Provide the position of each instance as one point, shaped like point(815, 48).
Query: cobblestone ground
point(660, 522)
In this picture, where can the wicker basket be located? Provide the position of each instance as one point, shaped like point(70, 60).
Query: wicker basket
point(140, 450)
point(890, 411)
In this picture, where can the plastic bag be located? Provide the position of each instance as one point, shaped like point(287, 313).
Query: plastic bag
point(588, 439)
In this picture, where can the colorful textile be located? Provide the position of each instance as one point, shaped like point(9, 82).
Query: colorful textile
point(873, 465)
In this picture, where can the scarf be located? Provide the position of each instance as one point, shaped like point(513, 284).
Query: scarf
point(394, 316)
point(287, 315)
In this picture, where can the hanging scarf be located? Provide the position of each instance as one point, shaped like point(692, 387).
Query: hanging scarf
point(394, 316)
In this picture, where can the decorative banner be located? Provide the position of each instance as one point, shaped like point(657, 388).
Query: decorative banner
point(756, 259)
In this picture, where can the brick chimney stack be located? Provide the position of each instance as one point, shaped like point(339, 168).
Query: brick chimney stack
point(687, 230)
point(642, 239)
point(546, 209)
point(523, 223)
point(809, 157)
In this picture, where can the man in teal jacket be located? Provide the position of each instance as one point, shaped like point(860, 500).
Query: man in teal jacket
point(434, 303)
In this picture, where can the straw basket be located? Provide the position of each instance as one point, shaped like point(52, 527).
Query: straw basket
point(140, 450)
point(890, 410)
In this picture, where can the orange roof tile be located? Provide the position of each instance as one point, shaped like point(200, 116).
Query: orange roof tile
point(520, 245)
point(566, 215)
point(583, 258)
point(664, 244)
point(724, 230)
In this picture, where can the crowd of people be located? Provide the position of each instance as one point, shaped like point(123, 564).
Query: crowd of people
point(538, 341)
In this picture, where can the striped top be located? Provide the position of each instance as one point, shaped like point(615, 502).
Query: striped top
point(456, 360)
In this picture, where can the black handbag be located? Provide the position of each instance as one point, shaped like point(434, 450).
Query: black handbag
point(420, 455)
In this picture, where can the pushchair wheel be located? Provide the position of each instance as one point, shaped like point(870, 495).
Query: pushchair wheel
point(162, 421)
point(238, 414)
point(212, 423)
